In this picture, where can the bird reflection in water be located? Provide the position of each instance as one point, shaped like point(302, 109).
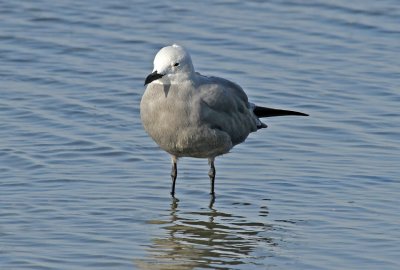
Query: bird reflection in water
point(207, 239)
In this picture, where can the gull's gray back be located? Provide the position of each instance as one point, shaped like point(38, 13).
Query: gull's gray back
point(204, 117)
point(226, 107)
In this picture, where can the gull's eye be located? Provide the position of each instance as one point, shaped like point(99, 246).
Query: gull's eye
point(176, 64)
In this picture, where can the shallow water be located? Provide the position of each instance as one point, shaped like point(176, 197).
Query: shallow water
point(83, 187)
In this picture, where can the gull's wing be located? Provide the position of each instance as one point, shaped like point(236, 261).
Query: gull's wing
point(225, 107)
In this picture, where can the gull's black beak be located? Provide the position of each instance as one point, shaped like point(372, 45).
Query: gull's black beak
point(153, 76)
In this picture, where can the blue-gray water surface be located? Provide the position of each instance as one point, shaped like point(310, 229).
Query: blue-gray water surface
point(82, 186)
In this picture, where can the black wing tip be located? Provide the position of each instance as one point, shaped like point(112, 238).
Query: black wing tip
point(302, 114)
point(271, 112)
point(290, 113)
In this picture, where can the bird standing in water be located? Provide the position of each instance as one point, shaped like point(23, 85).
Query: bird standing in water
point(191, 115)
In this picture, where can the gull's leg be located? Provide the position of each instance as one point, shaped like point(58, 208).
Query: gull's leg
point(211, 174)
point(174, 174)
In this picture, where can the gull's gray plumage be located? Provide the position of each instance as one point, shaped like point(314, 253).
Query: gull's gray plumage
point(191, 115)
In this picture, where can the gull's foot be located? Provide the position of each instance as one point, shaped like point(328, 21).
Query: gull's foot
point(212, 201)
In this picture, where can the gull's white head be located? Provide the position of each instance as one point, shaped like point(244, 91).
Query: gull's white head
point(172, 63)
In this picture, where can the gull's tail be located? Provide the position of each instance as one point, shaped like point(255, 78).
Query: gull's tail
point(270, 112)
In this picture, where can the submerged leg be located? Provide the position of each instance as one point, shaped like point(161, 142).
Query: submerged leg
point(174, 174)
point(211, 174)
